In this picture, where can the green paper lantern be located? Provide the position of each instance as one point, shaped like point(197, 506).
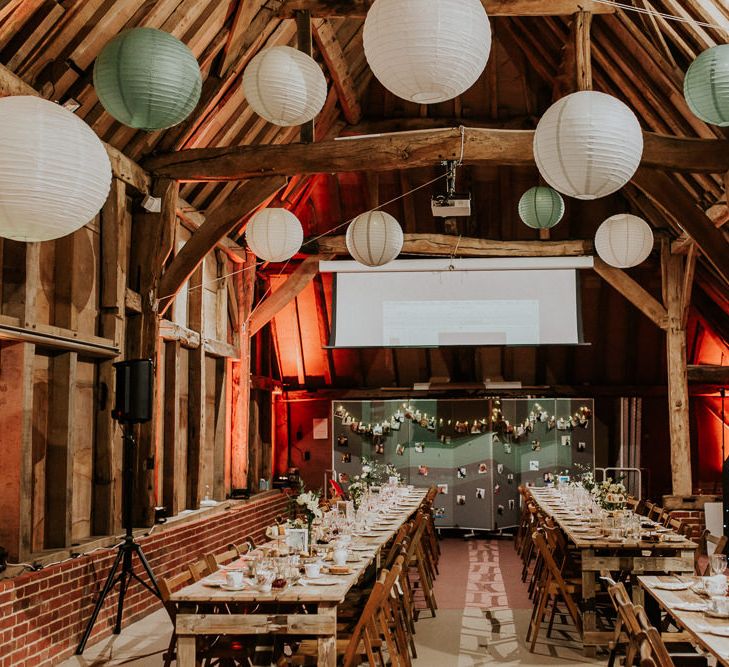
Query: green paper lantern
point(541, 207)
point(706, 86)
point(148, 79)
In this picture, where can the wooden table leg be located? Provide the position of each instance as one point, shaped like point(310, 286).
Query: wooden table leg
point(328, 643)
point(186, 651)
point(588, 599)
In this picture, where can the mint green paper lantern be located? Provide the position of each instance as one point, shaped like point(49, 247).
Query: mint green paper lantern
point(541, 207)
point(706, 86)
point(148, 79)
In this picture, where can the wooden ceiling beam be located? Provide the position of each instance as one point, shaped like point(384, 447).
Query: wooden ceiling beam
point(267, 309)
point(412, 149)
point(680, 207)
point(326, 40)
point(358, 8)
point(218, 224)
point(443, 245)
point(633, 292)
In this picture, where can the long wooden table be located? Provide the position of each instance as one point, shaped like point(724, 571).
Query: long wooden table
point(322, 624)
point(695, 623)
point(637, 556)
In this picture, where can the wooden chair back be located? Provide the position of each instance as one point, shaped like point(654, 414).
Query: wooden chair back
point(361, 633)
point(199, 569)
point(214, 561)
point(659, 652)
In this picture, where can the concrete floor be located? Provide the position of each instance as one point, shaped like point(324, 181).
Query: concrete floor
point(482, 619)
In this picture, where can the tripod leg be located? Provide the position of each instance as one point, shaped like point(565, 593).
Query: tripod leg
point(104, 592)
point(124, 583)
point(147, 569)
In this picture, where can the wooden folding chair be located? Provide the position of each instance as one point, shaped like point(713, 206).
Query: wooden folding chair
point(552, 587)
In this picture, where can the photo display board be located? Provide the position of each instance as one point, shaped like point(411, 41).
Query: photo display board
point(477, 451)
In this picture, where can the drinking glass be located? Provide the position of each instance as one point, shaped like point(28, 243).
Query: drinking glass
point(718, 563)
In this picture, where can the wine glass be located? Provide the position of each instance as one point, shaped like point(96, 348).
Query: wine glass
point(718, 563)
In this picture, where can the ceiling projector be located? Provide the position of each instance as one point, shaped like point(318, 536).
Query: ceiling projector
point(452, 205)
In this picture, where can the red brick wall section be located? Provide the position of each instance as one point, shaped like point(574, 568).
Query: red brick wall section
point(44, 613)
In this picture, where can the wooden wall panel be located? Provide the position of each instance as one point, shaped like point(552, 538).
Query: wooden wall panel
point(16, 426)
point(84, 437)
point(41, 374)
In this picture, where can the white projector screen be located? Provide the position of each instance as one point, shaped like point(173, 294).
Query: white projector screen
point(425, 308)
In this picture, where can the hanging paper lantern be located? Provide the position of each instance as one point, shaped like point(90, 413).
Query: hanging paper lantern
point(274, 234)
point(541, 207)
point(284, 86)
point(427, 51)
point(54, 170)
point(624, 240)
point(588, 145)
point(148, 79)
point(706, 86)
point(374, 238)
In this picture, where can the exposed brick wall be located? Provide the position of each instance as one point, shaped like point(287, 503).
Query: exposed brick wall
point(43, 614)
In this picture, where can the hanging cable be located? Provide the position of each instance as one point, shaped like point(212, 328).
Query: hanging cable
point(669, 17)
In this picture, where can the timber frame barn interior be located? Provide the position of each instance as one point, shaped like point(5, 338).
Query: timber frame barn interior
point(241, 363)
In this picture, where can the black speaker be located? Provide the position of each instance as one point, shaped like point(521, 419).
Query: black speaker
point(133, 403)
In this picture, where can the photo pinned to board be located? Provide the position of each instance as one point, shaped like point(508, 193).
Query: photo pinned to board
point(461, 472)
point(423, 470)
point(534, 466)
point(482, 469)
point(400, 449)
point(480, 494)
point(500, 468)
point(439, 513)
point(419, 447)
point(347, 457)
point(460, 500)
point(443, 488)
point(512, 504)
point(566, 441)
point(581, 446)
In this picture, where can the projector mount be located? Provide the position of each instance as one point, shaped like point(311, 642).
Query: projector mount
point(451, 204)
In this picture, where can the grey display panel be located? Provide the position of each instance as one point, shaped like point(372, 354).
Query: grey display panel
point(465, 447)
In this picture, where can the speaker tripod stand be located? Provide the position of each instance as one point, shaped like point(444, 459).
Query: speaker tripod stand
point(122, 571)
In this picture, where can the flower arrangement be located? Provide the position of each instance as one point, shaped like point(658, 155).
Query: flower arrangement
point(308, 501)
point(373, 473)
point(610, 494)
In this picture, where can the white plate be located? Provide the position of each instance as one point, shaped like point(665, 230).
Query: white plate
point(589, 537)
point(320, 581)
point(361, 547)
point(719, 631)
point(225, 587)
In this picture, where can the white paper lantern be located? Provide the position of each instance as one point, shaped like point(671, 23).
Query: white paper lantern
point(274, 234)
point(54, 170)
point(285, 86)
point(374, 238)
point(624, 240)
point(588, 145)
point(427, 51)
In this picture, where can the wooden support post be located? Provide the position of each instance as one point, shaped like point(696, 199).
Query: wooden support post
point(304, 43)
point(241, 377)
point(173, 488)
point(16, 426)
point(678, 396)
point(196, 426)
point(145, 343)
point(60, 452)
point(217, 386)
point(106, 516)
point(582, 45)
